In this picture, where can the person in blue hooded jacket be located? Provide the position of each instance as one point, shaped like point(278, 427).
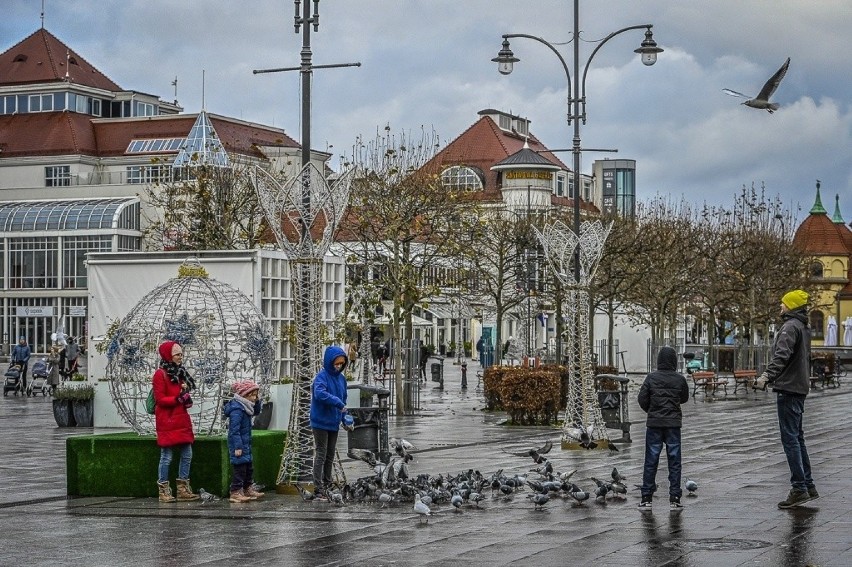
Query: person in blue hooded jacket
point(328, 407)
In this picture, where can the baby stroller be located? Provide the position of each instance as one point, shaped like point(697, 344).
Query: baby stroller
point(12, 380)
point(38, 381)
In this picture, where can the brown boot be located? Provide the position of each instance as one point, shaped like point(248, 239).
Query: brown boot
point(252, 493)
point(237, 497)
point(165, 492)
point(184, 491)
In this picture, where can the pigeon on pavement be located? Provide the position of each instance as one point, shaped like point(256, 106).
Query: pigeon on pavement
point(691, 487)
point(206, 496)
point(422, 511)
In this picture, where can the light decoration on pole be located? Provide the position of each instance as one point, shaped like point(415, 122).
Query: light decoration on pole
point(311, 210)
point(304, 228)
point(583, 419)
point(560, 237)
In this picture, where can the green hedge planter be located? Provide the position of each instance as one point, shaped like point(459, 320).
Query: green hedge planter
point(125, 464)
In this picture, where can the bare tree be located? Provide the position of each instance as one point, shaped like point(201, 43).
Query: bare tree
point(406, 225)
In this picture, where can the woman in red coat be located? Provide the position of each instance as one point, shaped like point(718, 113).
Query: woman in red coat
point(172, 384)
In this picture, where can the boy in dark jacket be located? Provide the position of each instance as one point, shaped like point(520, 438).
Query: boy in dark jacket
point(661, 396)
point(239, 412)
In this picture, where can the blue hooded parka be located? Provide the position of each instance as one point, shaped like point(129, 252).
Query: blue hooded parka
point(328, 392)
point(239, 430)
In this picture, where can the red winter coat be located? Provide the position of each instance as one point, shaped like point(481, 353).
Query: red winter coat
point(173, 424)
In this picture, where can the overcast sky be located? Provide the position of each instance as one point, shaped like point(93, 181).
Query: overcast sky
point(428, 63)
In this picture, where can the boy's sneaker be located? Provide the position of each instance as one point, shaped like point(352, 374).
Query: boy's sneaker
point(812, 492)
point(794, 498)
point(674, 503)
point(646, 502)
point(319, 496)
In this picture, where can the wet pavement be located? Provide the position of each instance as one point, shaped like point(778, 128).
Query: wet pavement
point(730, 447)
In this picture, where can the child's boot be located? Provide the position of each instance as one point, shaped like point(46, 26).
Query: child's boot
point(252, 493)
point(237, 497)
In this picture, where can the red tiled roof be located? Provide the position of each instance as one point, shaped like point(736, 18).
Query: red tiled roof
point(819, 236)
point(46, 134)
point(41, 58)
point(483, 145)
point(60, 133)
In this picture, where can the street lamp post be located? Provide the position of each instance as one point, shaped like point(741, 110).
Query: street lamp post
point(505, 62)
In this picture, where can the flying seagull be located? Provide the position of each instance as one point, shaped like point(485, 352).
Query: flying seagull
point(762, 99)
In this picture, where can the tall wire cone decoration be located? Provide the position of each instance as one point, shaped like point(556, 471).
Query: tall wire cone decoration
point(583, 426)
point(304, 214)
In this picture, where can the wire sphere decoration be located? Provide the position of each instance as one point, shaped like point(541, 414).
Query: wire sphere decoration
point(224, 336)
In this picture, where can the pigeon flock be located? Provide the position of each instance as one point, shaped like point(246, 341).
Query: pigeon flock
point(394, 484)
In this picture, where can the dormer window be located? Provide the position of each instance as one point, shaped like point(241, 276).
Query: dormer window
point(462, 178)
point(19, 58)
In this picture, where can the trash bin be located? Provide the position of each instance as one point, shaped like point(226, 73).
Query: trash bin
point(612, 399)
point(438, 372)
point(369, 395)
point(370, 431)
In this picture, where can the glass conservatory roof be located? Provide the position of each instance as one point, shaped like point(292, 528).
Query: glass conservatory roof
point(202, 146)
point(84, 214)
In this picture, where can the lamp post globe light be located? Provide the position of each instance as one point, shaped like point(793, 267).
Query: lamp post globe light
point(577, 101)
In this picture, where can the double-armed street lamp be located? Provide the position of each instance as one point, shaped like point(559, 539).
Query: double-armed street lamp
point(577, 101)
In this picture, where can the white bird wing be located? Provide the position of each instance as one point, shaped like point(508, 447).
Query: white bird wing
point(734, 93)
point(769, 88)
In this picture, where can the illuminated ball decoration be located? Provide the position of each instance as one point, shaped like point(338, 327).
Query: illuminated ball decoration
point(225, 339)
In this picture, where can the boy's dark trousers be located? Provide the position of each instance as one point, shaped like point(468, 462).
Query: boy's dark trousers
point(655, 437)
point(242, 477)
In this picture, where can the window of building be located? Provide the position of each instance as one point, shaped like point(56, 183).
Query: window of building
point(560, 185)
point(57, 176)
point(462, 178)
point(129, 243)
point(10, 104)
point(505, 123)
point(41, 103)
point(155, 145)
point(74, 252)
point(817, 323)
point(521, 127)
point(816, 270)
point(144, 109)
point(148, 174)
point(33, 262)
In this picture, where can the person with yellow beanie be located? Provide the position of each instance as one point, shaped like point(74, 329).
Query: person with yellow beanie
point(788, 372)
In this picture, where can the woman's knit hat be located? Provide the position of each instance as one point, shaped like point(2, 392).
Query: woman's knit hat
point(244, 388)
point(795, 299)
point(166, 350)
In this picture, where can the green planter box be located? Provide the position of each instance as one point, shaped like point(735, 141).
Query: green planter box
point(125, 464)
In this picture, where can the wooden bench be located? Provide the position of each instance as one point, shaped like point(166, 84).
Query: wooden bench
point(744, 378)
point(709, 381)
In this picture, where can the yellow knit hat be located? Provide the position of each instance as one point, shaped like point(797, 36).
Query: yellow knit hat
point(795, 299)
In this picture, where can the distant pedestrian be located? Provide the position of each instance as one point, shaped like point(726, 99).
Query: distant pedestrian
point(661, 396)
point(788, 373)
point(424, 359)
point(21, 356)
point(172, 385)
point(328, 408)
point(53, 365)
point(239, 411)
point(480, 351)
point(72, 355)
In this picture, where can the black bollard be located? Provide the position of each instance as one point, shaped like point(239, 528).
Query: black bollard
point(464, 375)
